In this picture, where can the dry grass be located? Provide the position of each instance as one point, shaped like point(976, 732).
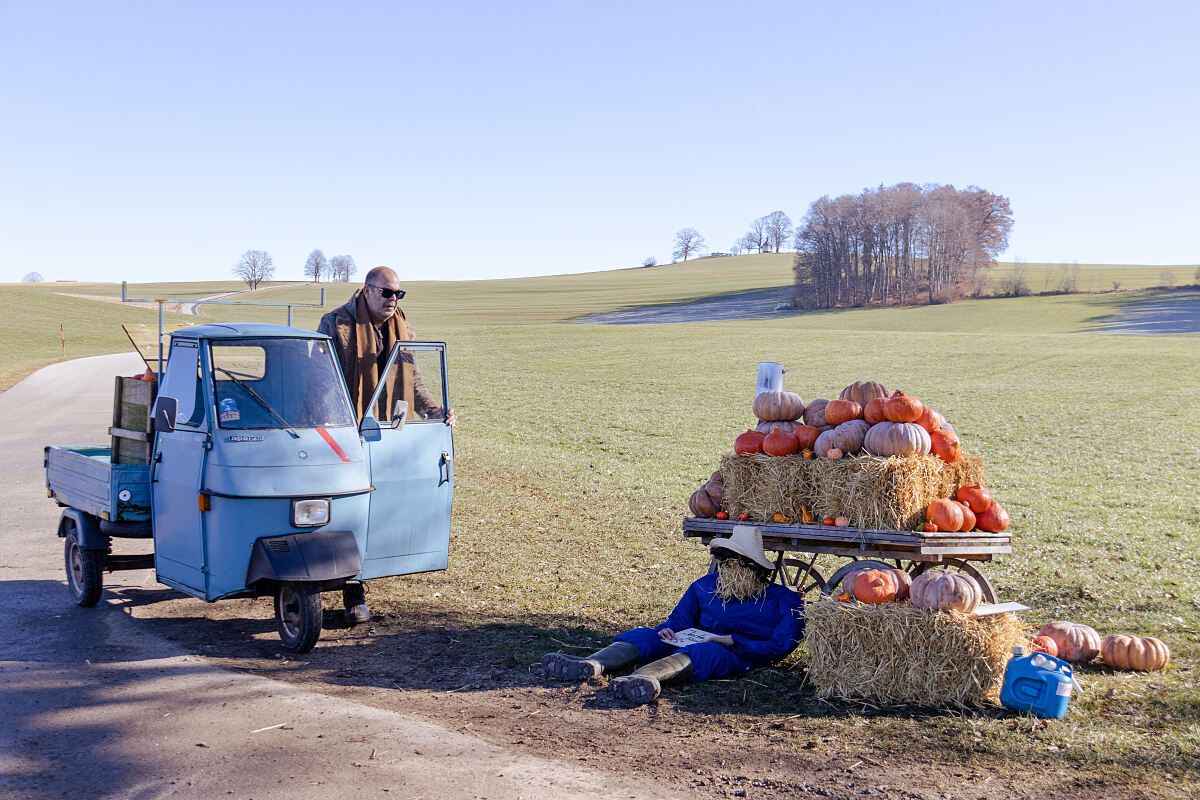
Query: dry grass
point(896, 653)
point(881, 493)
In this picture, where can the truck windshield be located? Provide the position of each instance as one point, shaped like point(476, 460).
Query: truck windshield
point(278, 383)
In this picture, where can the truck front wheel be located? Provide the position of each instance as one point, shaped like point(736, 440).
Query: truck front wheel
point(84, 569)
point(298, 615)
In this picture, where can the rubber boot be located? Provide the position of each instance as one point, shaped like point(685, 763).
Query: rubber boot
point(562, 667)
point(354, 603)
point(646, 682)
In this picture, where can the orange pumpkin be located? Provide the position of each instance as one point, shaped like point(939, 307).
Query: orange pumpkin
point(873, 586)
point(748, 443)
point(944, 444)
point(992, 519)
point(930, 420)
point(806, 435)
point(780, 443)
point(946, 514)
point(1129, 652)
point(974, 495)
point(968, 517)
point(873, 411)
point(903, 408)
point(1076, 643)
point(1043, 644)
point(839, 411)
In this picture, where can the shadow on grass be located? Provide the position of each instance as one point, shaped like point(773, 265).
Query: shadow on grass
point(1161, 312)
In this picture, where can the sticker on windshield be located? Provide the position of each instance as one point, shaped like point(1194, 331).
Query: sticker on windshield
point(228, 410)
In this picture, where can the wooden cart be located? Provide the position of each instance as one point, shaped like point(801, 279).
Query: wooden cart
point(798, 547)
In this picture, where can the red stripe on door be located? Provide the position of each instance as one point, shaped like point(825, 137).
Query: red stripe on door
point(334, 445)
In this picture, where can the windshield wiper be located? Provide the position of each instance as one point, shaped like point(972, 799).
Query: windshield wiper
point(261, 402)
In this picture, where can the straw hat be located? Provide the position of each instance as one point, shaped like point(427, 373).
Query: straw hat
point(746, 540)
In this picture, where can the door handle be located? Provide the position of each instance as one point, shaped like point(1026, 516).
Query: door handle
point(154, 466)
point(445, 468)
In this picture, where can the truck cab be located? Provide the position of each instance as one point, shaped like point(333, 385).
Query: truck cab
point(262, 481)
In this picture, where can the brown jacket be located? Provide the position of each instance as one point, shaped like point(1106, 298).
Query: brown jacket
point(361, 360)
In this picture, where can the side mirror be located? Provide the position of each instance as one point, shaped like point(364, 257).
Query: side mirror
point(399, 412)
point(165, 409)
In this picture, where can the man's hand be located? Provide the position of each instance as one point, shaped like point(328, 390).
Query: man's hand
point(666, 634)
point(450, 419)
point(726, 640)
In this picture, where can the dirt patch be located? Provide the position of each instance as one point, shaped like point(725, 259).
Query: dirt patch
point(758, 304)
point(700, 740)
point(1174, 312)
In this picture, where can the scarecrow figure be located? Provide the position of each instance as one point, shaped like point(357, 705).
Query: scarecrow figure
point(750, 621)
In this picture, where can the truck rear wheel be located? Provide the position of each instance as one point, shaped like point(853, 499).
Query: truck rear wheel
point(298, 615)
point(84, 572)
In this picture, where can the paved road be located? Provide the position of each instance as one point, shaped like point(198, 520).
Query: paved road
point(96, 707)
point(194, 308)
point(1163, 312)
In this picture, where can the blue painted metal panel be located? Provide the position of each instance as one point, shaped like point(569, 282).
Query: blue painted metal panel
point(178, 536)
point(409, 527)
point(233, 525)
point(85, 478)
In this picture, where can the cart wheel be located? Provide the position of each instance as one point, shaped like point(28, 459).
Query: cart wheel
point(863, 563)
point(965, 567)
point(298, 615)
point(83, 572)
point(801, 575)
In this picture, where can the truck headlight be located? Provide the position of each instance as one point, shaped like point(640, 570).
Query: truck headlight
point(310, 513)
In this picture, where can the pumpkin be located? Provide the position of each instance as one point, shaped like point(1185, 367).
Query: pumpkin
point(808, 455)
point(903, 583)
point(781, 517)
point(968, 517)
point(748, 443)
point(992, 519)
point(974, 495)
point(814, 413)
point(766, 426)
point(839, 411)
point(873, 411)
point(834, 454)
point(896, 439)
point(780, 443)
point(806, 516)
point(902, 408)
point(778, 405)
point(930, 420)
point(806, 435)
point(901, 579)
point(946, 514)
point(702, 505)
point(872, 586)
point(1130, 652)
point(863, 392)
point(944, 444)
point(1076, 643)
point(847, 437)
point(842, 522)
point(1043, 644)
point(945, 591)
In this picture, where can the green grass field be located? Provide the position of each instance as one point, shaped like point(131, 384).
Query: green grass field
point(578, 445)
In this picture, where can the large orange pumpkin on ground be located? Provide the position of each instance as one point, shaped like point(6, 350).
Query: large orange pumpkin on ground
point(1076, 643)
point(1129, 652)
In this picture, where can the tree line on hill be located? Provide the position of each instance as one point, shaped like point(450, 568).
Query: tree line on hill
point(257, 266)
point(904, 244)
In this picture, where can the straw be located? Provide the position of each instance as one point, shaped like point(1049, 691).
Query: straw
point(896, 653)
point(881, 493)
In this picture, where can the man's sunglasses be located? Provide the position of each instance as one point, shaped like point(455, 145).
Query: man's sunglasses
point(388, 294)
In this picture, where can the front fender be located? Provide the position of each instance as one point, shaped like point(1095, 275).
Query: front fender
point(315, 556)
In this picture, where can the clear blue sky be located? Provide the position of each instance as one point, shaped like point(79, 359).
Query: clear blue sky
point(146, 140)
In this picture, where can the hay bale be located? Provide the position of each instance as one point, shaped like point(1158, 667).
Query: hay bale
point(882, 493)
point(895, 653)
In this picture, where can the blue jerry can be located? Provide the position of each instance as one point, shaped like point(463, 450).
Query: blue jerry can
point(1040, 684)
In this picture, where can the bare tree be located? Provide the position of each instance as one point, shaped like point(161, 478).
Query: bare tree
point(750, 241)
point(341, 268)
point(650, 261)
point(688, 242)
point(316, 266)
point(777, 227)
point(32, 277)
point(255, 267)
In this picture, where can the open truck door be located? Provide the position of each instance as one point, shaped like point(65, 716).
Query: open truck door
point(410, 453)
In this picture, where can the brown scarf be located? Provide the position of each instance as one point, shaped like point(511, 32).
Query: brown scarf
point(364, 368)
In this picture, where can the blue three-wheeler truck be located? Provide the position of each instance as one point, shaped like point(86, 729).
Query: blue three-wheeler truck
point(261, 481)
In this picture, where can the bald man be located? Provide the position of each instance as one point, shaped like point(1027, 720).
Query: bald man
point(364, 330)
